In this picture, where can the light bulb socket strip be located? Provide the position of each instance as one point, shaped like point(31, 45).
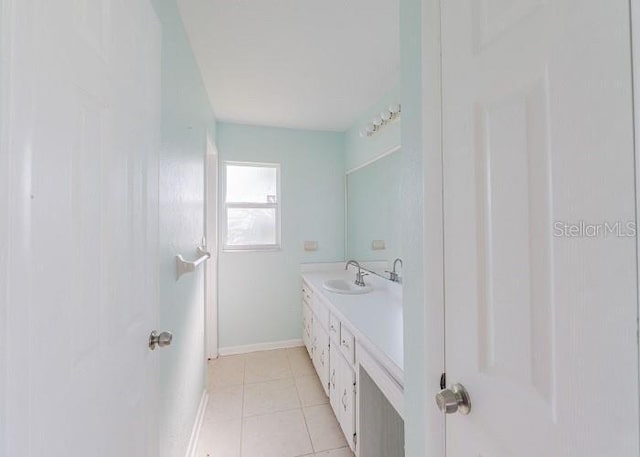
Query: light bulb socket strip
point(377, 123)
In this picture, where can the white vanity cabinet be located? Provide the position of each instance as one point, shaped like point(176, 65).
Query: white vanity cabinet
point(344, 342)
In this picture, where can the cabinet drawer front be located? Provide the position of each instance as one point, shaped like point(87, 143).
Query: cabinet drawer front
point(347, 344)
point(307, 294)
point(334, 329)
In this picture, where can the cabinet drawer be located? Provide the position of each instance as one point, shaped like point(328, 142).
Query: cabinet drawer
point(334, 329)
point(307, 294)
point(347, 344)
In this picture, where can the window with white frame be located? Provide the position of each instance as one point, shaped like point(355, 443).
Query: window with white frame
point(251, 206)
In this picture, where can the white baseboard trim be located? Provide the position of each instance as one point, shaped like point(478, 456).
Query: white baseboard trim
point(233, 350)
point(197, 425)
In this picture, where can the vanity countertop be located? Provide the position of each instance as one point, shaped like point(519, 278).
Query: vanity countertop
point(375, 317)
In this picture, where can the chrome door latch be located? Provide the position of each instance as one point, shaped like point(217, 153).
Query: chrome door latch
point(163, 339)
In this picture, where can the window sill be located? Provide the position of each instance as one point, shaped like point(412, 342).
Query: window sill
point(252, 249)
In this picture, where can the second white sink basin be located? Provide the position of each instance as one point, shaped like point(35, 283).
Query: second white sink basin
point(341, 286)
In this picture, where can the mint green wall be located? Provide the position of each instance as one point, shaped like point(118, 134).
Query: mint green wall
point(186, 118)
point(259, 293)
point(360, 150)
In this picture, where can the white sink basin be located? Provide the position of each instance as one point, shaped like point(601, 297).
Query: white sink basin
point(341, 286)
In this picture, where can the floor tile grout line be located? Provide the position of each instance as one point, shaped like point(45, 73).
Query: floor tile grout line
point(304, 416)
point(288, 410)
point(252, 383)
point(244, 375)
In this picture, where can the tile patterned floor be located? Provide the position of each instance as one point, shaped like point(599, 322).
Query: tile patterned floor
point(268, 404)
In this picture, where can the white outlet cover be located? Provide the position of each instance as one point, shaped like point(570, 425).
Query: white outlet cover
point(310, 245)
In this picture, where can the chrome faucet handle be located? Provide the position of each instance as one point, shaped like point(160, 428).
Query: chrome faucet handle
point(360, 278)
point(393, 276)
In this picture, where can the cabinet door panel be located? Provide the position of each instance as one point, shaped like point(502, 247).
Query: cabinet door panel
point(324, 362)
point(307, 327)
point(343, 399)
point(334, 379)
point(321, 354)
point(347, 401)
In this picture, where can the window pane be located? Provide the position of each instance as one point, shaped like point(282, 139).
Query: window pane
point(251, 226)
point(251, 184)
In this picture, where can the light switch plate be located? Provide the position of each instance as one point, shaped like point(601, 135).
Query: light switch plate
point(378, 245)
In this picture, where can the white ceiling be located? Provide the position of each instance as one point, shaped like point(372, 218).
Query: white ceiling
point(294, 63)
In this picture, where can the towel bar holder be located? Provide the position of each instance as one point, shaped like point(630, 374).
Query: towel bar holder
point(184, 266)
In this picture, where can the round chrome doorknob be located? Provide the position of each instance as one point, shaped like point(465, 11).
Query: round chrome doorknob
point(163, 339)
point(454, 400)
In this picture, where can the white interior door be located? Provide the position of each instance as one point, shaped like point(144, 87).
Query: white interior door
point(541, 325)
point(5, 179)
point(81, 282)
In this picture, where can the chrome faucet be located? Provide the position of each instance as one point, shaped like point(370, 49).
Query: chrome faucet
point(393, 275)
point(359, 274)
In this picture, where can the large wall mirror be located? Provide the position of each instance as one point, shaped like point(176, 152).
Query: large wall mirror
point(373, 210)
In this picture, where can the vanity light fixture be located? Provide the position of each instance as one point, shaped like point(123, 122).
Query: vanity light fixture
point(387, 116)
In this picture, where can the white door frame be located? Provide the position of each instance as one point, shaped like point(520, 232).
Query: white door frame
point(5, 192)
point(211, 227)
point(635, 67)
point(433, 254)
point(424, 281)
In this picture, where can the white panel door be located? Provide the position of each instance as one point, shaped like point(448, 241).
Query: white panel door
point(5, 179)
point(82, 139)
point(541, 318)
